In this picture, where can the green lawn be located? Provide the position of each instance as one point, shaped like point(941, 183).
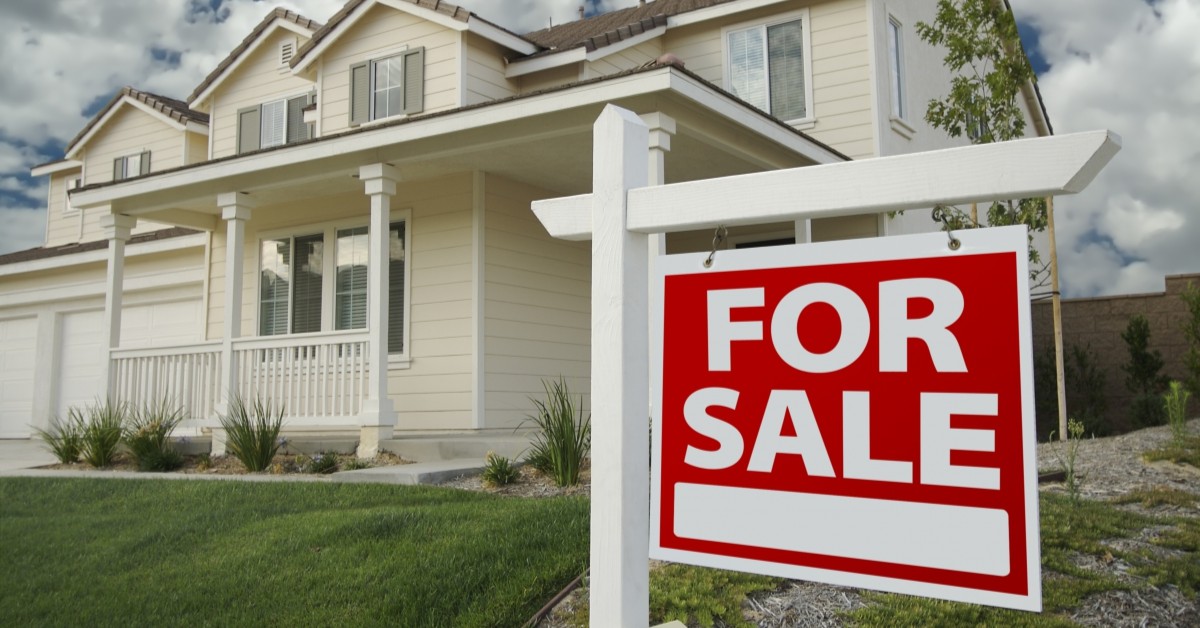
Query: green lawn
point(118, 552)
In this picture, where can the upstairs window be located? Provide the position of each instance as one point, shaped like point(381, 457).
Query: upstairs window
point(273, 124)
point(131, 166)
point(896, 68)
point(388, 86)
point(70, 184)
point(767, 66)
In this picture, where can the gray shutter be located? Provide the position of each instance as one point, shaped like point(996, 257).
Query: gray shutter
point(248, 129)
point(414, 81)
point(118, 168)
point(297, 130)
point(145, 163)
point(360, 93)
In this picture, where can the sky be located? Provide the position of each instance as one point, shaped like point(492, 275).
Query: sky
point(1131, 66)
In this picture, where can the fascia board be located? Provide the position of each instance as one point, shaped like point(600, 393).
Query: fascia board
point(721, 10)
point(237, 63)
point(425, 14)
point(100, 255)
point(196, 127)
point(56, 167)
point(610, 49)
point(499, 36)
point(537, 64)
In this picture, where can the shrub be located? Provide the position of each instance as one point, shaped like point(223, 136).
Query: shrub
point(321, 462)
point(65, 438)
point(562, 441)
point(1085, 389)
point(147, 435)
point(252, 434)
point(354, 464)
point(101, 433)
point(499, 470)
point(1142, 374)
point(1176, 401)
point(1191, 332)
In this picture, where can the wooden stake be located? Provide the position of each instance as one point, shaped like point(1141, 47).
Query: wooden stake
point(1057, 313)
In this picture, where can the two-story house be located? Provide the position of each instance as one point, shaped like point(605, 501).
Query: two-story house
point(338, 218)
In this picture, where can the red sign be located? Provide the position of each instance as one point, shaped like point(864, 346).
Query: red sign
point(858, 413)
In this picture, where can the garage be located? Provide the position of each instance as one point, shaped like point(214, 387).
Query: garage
point(18, 342)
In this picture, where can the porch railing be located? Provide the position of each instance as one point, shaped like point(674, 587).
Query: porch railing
point(310, 376)
point(319, 375)
point(187, 376)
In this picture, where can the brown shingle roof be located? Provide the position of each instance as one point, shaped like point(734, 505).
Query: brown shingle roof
point(176, 110)
point(284, 14)
point(43, 252)
point(445, 8)
point(608, 28)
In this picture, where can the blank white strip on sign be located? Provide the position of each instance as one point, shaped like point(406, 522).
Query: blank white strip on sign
point(958, 538)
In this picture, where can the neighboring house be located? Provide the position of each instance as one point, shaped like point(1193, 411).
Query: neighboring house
point(338, 217)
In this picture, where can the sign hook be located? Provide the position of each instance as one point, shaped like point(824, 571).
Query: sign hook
point(719, 235)
point(941, 214)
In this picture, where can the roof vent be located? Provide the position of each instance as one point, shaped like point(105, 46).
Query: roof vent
point(286, 51)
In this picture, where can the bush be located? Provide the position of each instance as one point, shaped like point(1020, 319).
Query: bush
point(65, 438)
point(147, 435)
point(1147, 410)
point(322, 462)
point(354, 464)
point(1085, 390)
point(562, 441)
point(1176, 401)
point(101, 433)
point(499, 470)
point(252, 434)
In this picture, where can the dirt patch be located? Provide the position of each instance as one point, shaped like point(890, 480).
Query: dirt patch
point(281, 464)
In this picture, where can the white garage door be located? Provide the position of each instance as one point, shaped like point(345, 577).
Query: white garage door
point(17, 341)
point(160, 325)
point(79, 360)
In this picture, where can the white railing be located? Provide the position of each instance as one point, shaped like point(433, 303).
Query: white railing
point(309, 375)
point(186, 376)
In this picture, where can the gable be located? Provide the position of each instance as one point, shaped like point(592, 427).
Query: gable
point(130, 130)
point(266, 35)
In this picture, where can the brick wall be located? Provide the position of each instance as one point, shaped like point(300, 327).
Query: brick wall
point(1099, 321)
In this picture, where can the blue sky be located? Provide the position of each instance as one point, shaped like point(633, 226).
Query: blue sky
point(1133, 67)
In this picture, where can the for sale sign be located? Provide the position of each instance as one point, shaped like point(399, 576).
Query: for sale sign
point(857, 413)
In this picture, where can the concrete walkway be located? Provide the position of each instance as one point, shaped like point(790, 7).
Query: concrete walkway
point(21, 458)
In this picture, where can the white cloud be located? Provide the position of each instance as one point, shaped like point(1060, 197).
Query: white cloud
point(23, 228)
point(1134, 68)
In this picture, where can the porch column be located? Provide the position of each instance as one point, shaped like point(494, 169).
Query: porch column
point(662, 127)
point(116, 229)
point(235, 211)
point(378, 417)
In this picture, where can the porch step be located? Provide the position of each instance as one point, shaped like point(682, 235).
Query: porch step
point(453, 447)
point(416, 473)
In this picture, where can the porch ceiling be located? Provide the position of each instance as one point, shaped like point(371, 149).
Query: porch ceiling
point(547, 143)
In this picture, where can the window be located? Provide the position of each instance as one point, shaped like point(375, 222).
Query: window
point(388, 86)
point(896, 65)
point(768, 68)
point(302, 290)
point(131, 166)
point(70, 184)
point(274, 123)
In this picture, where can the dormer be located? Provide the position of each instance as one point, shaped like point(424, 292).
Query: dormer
point(253, 97)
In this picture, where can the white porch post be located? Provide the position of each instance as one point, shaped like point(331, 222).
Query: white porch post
point(378, 417)
point(620, 521)
point(661, 128)
point(235, 211)
point(116, 228)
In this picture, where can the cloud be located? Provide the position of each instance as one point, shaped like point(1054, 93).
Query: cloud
point(23, 228)
point(1133, 68)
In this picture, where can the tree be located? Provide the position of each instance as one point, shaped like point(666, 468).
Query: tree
point(984, 51)
point(1143, 375)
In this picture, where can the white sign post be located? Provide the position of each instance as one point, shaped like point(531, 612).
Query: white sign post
point(619, 215)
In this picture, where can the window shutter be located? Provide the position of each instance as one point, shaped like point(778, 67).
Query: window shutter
point(145, 163)
point(360, 93)
point(118, 168)
point(414, 81)
point(396, 255)
point(248, 130)
point(297, 130)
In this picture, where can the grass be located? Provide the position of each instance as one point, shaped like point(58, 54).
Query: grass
point(1185, 451)
point(107, 552)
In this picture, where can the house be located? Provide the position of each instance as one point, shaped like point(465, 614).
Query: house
point(338, 218)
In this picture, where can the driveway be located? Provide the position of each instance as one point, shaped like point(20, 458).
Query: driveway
point(23, 454)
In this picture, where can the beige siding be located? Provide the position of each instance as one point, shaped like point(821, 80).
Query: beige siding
point(62, 227)
point(131, 131)
point(197, 148)
point(550, 78)
point(537, 305)
point(701, 240)
point(485, 72)
point(845, 228)
point(258, 79)
point(382, 32)
point(627, 59)
point(435, 392)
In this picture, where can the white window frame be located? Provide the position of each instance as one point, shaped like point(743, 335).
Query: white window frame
point(809, 120)
point(329, 230)
point(897, 81)
point(372, 118)
point(126, 160)
point(70, 183)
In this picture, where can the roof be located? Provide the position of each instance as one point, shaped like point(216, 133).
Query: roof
point(232, 57)
point(43, 252)
point(176, 110)
point(445, 8)
point(609, 28)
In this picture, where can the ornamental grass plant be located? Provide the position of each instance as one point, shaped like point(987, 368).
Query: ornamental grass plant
point(64, 438)
point(147, 434)
point(100, 434)
point(564, 434)
point(252, 433)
